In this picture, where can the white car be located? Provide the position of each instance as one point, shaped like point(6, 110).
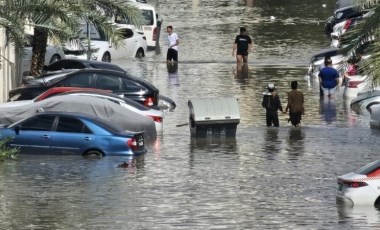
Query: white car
point(374, 110)
point(53, 54)
point(149, 21)
point(317, 61)
point(365, 100)
point(133, 45)
point(361, 187)
point(355, 85)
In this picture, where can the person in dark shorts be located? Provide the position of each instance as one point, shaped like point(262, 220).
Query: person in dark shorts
point(173, 42)
point(242, 46)
point(271, 102)
point(295, 104)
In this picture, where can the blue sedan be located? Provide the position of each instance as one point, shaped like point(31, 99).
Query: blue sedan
point(72, 133)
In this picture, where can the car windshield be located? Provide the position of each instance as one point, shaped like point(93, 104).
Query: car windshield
point(368, 168)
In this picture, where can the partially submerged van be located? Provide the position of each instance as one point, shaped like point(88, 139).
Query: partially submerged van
point(149, 22)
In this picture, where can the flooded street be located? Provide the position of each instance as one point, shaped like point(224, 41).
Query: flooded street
point(265, 178)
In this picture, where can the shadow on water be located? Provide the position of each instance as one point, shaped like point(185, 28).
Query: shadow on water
point(295, 141)
point(327, 110)
point(272, 144)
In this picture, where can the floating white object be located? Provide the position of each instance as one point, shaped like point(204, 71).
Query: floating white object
point(324, 5)
point(272, 18)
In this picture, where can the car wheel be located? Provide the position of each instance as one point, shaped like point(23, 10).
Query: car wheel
point(368, 107)
point(106, 57)
point(140, 53)
point(55, 58)
point(93, 154)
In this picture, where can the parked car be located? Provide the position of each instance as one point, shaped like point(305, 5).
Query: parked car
point(356, 85)
point(317, 60)
point(120, 116)
point(342, 27)
point(53, 54)
point(119, 83)
point(156, 115)
point(80, 64)
point(133, 45)
point(150, 23)
point(374, 111)
point(365, 100)
point(342, 14)
point(72, 133)
point(361, 186)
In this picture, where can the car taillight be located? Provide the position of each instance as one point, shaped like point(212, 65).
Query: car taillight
point(347, 24)
point(156, 118)
point(132, 143)
point(354, 184)
point(155, 34)
point(149, 102)
point(354, 84)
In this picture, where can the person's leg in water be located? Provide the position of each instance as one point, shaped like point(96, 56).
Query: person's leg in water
point(268, 119)
point(239, 58)
point(245, 58)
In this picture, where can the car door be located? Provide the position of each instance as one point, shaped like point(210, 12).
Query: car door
point(130, 43)
point(71, 136)
point(34, 135)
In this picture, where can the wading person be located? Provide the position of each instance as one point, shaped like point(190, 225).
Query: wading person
point(295, 104)
point(271, 102)
point(242, 46)
point(173, 42)
point(328, 79)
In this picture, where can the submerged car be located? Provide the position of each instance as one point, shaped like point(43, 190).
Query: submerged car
point(365, 100)
point(80, 64)
point(374, 110)
point(361, 187)
point(72, 133)
point(317, 60)
point(119, 83)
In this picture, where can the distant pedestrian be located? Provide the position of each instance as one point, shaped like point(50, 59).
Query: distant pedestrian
point(271, 102)
point(328, 79)
point(173, 42)
point(295, 104)
point(242, 46)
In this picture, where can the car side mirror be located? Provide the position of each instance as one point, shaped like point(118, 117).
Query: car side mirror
point(17, 129)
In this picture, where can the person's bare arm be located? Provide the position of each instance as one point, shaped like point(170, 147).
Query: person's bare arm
point(234, 49)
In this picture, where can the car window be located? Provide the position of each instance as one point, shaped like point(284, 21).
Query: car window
point(80, 80)
point(71, 125)
point(367, 169)
point(126, 33)
point(108, 82)
point(130, 85)
point(39, 123)
point(147, 17)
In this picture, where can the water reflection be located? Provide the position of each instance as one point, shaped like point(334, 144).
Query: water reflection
point(327, 108)
point(241, 72)
point(295, 141)
point(272, 144)
point(173, 73)
point(368, 216)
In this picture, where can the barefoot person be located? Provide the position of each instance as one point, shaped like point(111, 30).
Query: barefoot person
point(242, 46)
point(295, 104)
point(173, 42)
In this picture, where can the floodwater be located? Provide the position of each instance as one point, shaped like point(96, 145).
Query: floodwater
point(265, 178)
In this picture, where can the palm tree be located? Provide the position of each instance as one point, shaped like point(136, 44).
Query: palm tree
point(364, 38)
point(58, 20)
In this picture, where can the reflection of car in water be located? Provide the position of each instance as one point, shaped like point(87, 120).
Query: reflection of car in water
point(53, 54)
point(361, 186)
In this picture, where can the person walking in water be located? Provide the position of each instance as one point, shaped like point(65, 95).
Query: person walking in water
point(295, 104)
point(328, 79)
point(173, 42)
point(271, 102)
point(242, 46)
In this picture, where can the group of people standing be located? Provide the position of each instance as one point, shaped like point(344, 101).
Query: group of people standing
point(271, 101)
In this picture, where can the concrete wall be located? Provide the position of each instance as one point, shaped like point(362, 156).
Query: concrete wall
point(7, 67)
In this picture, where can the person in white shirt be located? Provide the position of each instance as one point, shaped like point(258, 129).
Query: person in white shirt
point(173, 42)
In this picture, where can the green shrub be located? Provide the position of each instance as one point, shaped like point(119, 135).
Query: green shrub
point(6, 152)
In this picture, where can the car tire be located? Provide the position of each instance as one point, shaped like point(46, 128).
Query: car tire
point(93, 154)
point(140, 53)
point(55, 58)
point(371, 104)
point(106, 57)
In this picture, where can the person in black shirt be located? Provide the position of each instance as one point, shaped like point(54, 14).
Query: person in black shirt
point(271, 102)
point(242, 46)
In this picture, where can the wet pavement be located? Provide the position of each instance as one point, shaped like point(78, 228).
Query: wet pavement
point(265, 178)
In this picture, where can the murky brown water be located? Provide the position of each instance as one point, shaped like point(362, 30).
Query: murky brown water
point(266, 178)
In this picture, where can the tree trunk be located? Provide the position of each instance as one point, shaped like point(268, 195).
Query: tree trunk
point(39, 50)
